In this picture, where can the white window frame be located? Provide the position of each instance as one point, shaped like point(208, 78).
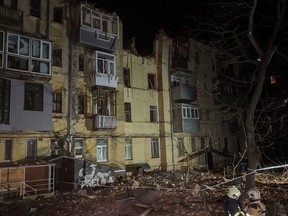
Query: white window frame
point(154, 148)
point(102, 150)
point(79, 147)
point(44, 61)
point(128, 149)
point(189, 112)
point(108, 61)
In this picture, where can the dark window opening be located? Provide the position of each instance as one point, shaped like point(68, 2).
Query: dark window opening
point(35, 8)
point(153, 113)
point(14, 4)
point(8, 150)
point(126, 75)
point(127, 108)
point(81, 104)
point(31, 148)
point(57, 57)
point(58, 14)
point(33, 97)
point(81, 62)
point(57, 102)
point(5, 86)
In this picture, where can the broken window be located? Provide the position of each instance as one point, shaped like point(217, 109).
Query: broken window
point(154, 148)
point(78, 148)
point(181, 147)
point(5, 86)
point(127, 110)
point(8, 150)
point(57, 57)
point(23, 51)
point(58, 14)
point(81, 104)
point(102, 149)
point(126, 75)
point(31, 148)
point(33, 97)
point(104, 102)
point(81, 62)
point(153, 113)
point(35, 8)
point(128, 149)
point(57, 102)
point(151, 81)
point(105, 63)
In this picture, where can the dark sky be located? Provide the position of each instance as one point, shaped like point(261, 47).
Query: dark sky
point(143, 18)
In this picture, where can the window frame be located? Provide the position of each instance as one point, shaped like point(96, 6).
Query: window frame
point(2, 45)
point(105, 63)
point(57, 102)
point(181, 147)
point(32, 63)
point(36, 105)
point(35, 8)
point(57, 57)
point(151, 81)
point(104, 102)
point(8, 153)
point(127, 112)
point(34, 148)
point(78, 148)
point(153, 114)
point(190, 112)
point(126, 77)
point(128, 149)
point(154, 147)
point(102, 150)
point(5, 98)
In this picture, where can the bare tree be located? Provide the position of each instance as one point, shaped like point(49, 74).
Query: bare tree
point(252, 32)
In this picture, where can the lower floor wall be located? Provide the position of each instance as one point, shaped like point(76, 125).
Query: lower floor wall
point(164, 153)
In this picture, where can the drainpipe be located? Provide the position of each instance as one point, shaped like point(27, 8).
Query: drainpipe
point(47, 19)
point(171, 106)
point(69, 80)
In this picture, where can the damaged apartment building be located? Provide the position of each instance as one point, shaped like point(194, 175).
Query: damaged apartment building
point(68, 88)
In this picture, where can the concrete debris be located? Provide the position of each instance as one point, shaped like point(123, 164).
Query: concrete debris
point(155, 193)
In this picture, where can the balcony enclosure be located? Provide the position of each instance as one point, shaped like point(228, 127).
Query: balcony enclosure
point(185, 118)
point(98, 30)
point(183, 87)
point(104, 108)
point(25, 55)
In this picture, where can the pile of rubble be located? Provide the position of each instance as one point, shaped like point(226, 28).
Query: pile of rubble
point(171, 193)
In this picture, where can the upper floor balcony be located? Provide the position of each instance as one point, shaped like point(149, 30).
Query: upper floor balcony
point(98, 30)
point(11, 18)
point(104, 70)
point(22, 55)
point(183, 88)
point(185, 118)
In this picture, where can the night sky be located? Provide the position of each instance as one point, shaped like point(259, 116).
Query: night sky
point(143, 18)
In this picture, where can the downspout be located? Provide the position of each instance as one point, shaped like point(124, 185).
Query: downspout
point(171, 107)
point(47, 19)
point(70, 87)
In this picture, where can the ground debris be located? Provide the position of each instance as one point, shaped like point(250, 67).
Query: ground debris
point(155, 193)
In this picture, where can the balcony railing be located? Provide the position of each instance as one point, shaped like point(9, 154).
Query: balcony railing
point(102, 122)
